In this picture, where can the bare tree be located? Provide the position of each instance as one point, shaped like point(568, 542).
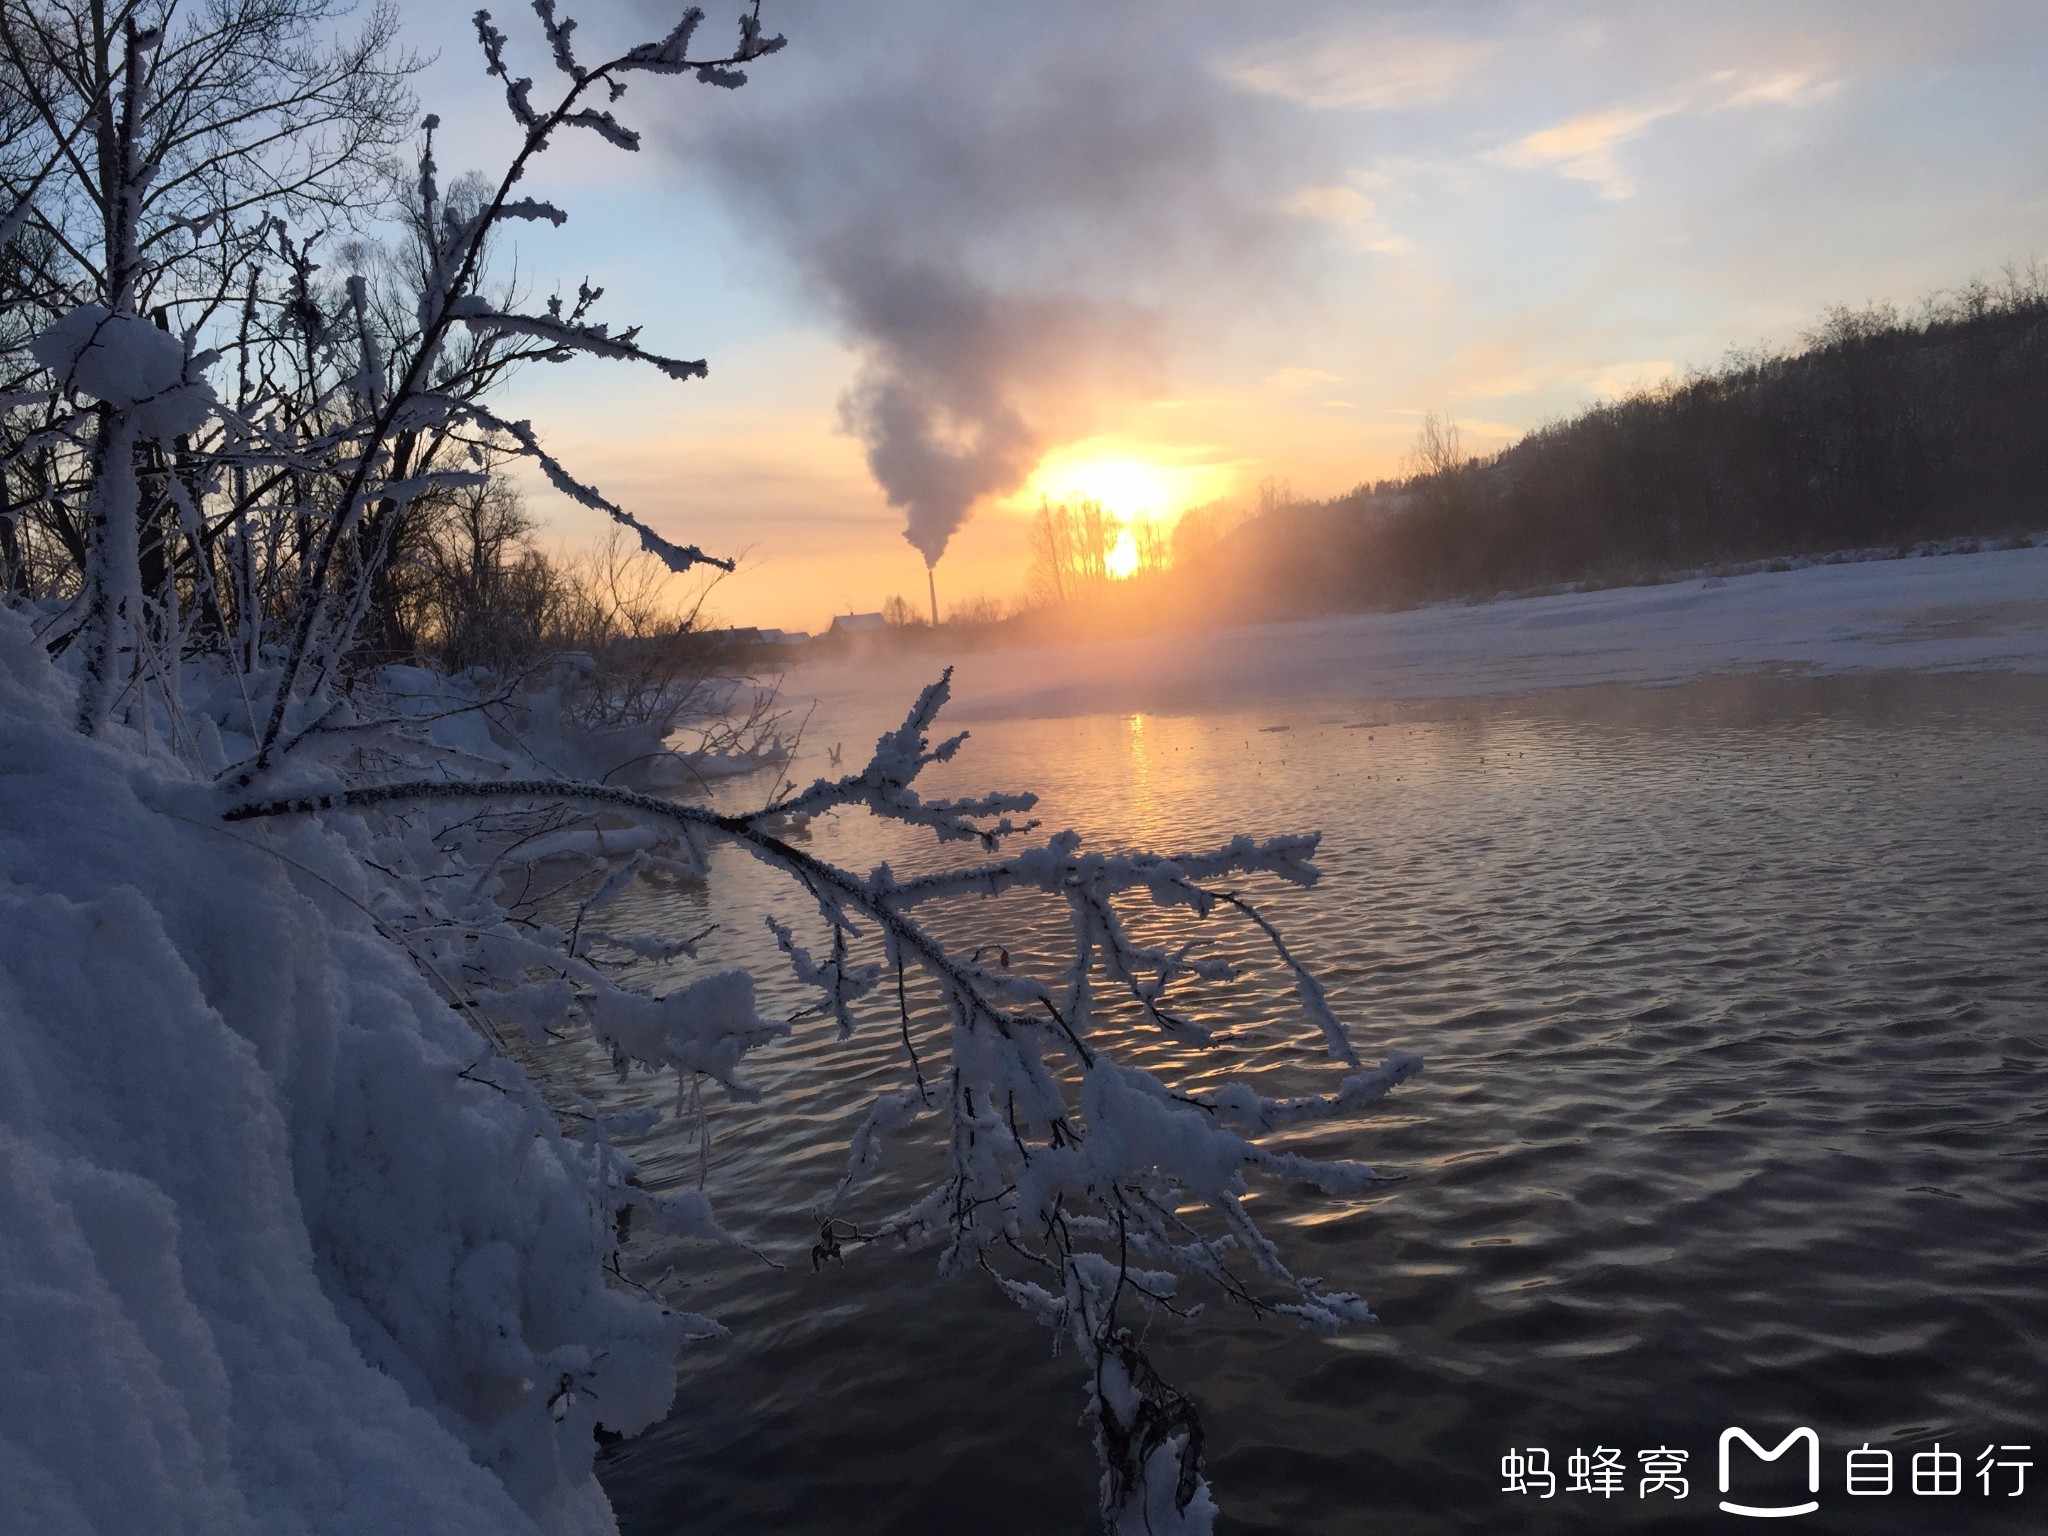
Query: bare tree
point(154, 150)
point(1437, 450)
point(173, 150)
point(981, 609)
point(1070, 549)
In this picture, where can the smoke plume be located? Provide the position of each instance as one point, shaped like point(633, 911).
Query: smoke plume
point(1001, 207)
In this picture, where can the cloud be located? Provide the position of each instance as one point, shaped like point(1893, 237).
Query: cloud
point(1622, 379)
point(1787, 88)
point(1599, 381)
point(1372, 71)
point(1584, 147)
point(1345, 206)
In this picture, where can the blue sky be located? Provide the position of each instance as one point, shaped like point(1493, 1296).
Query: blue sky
point(1161, 251)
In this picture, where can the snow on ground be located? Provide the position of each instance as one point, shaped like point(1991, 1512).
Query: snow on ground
point(1952, 612)
point(268, 1262)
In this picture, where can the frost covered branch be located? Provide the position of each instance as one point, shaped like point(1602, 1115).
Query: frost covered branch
point(453, 270)
point(1073, 1179)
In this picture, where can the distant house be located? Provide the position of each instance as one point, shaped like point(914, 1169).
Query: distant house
point(857, 624)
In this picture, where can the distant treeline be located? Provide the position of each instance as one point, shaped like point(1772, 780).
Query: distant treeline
point(1883, 428)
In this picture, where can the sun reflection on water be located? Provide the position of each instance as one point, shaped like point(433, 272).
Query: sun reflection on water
point(1144, 801)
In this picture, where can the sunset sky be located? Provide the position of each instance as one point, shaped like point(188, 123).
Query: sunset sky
point(1157, 252)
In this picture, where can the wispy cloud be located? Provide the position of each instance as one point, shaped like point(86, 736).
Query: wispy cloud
point(1584, 147)
point(1622, 379)
point(1372, 71)
point(1596, 381)
point(1787, 88)
point(1343, 205)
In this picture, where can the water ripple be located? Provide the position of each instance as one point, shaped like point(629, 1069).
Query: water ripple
point(1735, 1001)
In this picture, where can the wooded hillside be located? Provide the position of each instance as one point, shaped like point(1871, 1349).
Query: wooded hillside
point(1881, 429)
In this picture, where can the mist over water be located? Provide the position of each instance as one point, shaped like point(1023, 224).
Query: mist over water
point(1731, 996)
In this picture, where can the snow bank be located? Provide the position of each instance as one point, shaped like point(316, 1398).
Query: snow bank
point(1955, 612)
point(267, 1261)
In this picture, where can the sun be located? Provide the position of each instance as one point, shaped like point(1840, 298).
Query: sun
point(1127, 485)
point(1122, 560)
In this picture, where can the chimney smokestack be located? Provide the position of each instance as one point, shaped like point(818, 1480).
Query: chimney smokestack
point(932, 582)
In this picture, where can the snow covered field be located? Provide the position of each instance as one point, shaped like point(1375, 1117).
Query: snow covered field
point(1986, 611)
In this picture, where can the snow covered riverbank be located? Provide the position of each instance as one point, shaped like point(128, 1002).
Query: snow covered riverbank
point(269, 1260)
point(1986, 611)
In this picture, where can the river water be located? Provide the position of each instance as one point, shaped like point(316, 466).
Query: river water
point(1734, 998)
